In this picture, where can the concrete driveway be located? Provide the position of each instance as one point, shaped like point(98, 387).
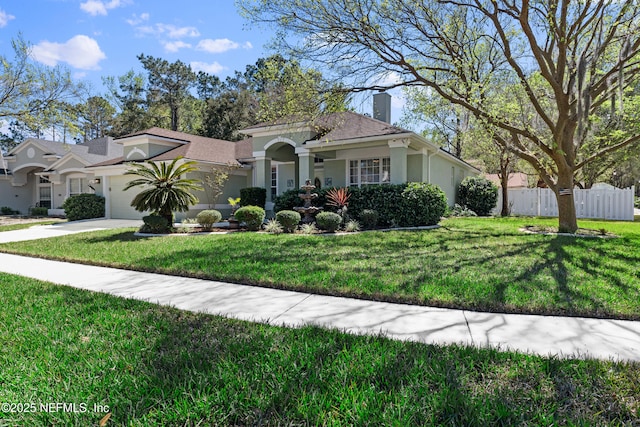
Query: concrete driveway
point(64, 228)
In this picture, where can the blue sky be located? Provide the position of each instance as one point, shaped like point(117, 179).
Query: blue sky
point(95, 38)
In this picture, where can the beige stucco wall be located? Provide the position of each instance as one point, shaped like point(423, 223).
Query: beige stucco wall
point(335, 170)
point(16, 198)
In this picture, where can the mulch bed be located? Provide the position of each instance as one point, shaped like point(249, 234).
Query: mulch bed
point(581, 232)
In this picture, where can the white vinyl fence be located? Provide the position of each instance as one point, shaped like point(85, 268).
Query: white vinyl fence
point(602, 203)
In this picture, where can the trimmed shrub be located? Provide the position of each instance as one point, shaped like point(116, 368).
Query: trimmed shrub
point(328, 221)
point(38, 211)
point(6, 210)
point(478, 194)
point(422, 204)
point(386, 199)
point(369, 218)
point(253, 196)
point(207, 218)
point(637, 203)
point(252, 216)
point(154, 224)
point(289, 220)
point(83, 206)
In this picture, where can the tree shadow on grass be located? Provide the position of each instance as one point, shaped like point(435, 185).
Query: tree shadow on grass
point(457, 269)
point(156, 365)
point(259, 375)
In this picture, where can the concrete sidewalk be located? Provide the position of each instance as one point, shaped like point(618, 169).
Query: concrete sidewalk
point(64, 228)
point(543, 335)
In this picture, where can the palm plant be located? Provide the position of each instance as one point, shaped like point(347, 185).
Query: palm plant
point(165, 189)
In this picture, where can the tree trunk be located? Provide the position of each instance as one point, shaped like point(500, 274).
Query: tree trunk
point(504, 182)
point(567, 222)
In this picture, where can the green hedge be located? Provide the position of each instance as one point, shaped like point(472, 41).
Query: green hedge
point(253, 196)
point(385, 199)
point(478, 194)
point(83, 206)
point(420, 204)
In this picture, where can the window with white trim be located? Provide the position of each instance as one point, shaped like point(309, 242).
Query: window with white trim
point(369, 171)
point(44, 192)
point(274, 182)
point(76, 186)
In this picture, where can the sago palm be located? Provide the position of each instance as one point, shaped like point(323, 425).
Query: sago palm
point(166, 190)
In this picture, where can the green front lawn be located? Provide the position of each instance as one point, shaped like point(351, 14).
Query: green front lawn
point(473, 263)
point(155, 366)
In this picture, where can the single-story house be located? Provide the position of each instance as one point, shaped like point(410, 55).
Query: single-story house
point(42, 173)
point(335, 150)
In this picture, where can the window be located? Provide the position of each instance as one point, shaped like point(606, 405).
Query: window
point(76, 186)
point(274, 182)
point(369, 171)
point(44, 192)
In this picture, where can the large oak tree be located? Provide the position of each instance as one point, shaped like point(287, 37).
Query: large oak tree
point(566, 58)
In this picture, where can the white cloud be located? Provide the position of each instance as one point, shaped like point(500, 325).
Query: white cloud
point(137, 20)
point(217, 45)
point(5, 18)
point(220, 45)
point(99, 7)
point(167, 30)
point(177, 32)
point(80, 51)
point(214, 68)
point(175, 46)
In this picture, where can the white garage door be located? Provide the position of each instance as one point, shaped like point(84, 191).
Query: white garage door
point(121, 200)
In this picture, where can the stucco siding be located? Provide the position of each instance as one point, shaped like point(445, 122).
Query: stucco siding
point(71, 164)
point(16, 198)
point(286, 177)
point(335, 173)
point(414, 168)
point(446, 175)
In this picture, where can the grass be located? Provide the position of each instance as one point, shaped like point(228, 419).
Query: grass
point(471, 263)
point(154, 365)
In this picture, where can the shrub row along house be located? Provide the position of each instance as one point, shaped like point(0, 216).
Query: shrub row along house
point(336, 150)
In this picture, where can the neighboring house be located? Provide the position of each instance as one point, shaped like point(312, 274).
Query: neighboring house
point(41, 173)
point(336, 150)
point(517, 180)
